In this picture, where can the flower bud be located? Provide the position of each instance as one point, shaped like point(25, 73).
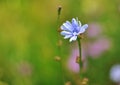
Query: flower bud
point(59, 43)
point(57, 58)
point(85, 81)
point(77, 59)
point(80, 36)
point(59, 9)
point(59, 30)
point(68, 83)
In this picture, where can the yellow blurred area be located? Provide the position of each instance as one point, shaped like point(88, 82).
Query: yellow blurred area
point(2, 83)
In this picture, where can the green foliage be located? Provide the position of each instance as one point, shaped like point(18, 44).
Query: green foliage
point(28, 34)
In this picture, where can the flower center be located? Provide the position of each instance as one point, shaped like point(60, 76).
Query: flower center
point(74, 33)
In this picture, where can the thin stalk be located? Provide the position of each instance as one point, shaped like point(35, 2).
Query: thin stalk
point(59, 47)
point(61, 66)
point(80, 54)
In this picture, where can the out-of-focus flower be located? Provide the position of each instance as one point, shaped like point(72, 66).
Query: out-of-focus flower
point(98, 47)
point(73, 29)
point(24, 68)
point(94, 30)
point(94, 47)
point(72, 65)
point(115, 73)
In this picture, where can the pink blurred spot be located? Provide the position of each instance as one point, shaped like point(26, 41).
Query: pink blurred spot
point(24, 68)
point(93, 30)
point(72, 65)
point(98, 47)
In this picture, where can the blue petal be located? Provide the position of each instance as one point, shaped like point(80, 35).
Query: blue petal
point(67, 22)
point(73, 38)
point(67, 26)
point(74, 22)
point(76, 25)
point(78, 29)
point(83, 28)
point(67, 36)
point(65, 33)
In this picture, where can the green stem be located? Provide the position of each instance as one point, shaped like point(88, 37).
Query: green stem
point(80, 54)
point(61, 66)
point(59, 47)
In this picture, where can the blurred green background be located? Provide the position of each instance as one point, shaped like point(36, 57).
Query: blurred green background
point(28, 37)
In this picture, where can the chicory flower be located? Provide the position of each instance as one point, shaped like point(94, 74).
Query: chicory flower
point(72, 29)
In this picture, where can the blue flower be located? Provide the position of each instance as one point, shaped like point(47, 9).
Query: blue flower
point(72, 29)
